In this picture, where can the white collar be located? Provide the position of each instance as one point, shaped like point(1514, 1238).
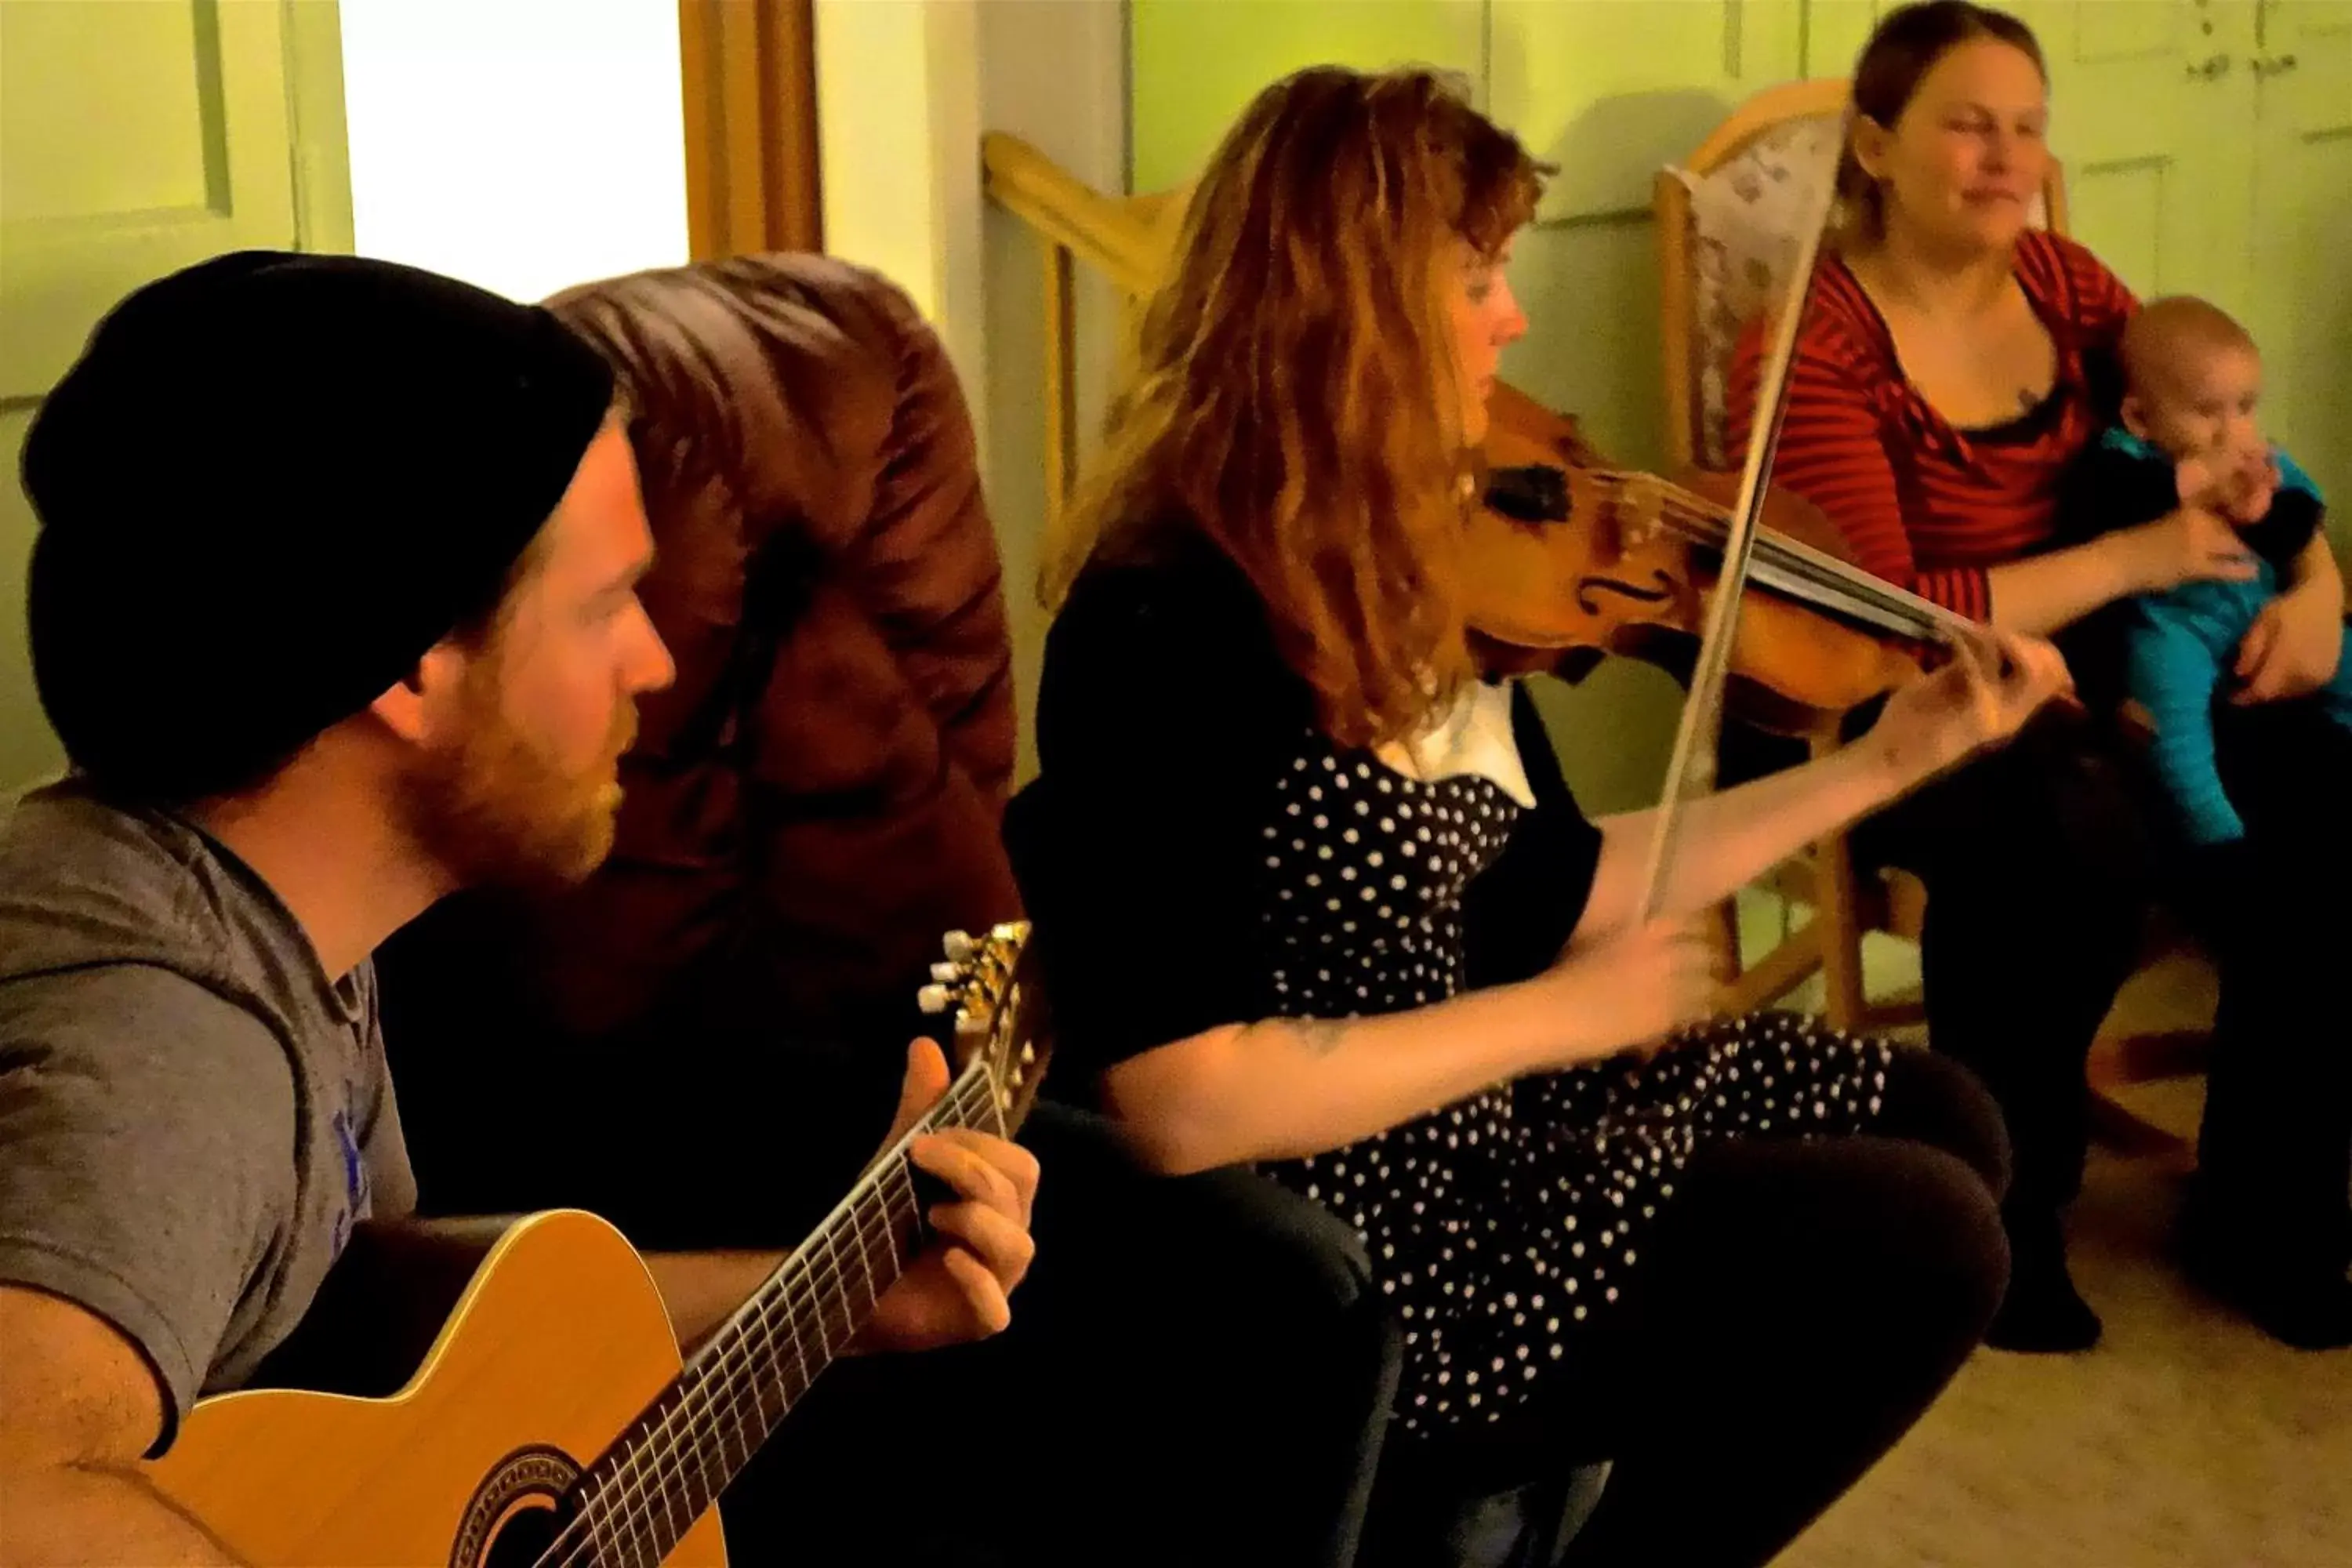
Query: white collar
point(1473, 737)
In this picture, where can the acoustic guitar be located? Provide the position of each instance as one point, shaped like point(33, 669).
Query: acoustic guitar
point(511, 1395)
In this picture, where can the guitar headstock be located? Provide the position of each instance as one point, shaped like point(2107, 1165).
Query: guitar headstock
point(989, 985)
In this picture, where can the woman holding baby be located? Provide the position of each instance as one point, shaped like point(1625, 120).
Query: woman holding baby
point(1959, 374)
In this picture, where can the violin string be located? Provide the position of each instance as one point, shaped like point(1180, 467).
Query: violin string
point(1698, 519)
point(1837, 594)
point(1816, 565)
point(1924, 618)
point(1840, 588)
point(1835, 579)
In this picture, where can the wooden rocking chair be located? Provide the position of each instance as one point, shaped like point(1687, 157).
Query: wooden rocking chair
point(1720, 262)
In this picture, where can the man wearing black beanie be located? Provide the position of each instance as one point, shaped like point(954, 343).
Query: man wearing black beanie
point(333, 605)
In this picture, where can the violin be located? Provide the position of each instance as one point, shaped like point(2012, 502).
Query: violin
point(1566, 557)
point(1612, 561)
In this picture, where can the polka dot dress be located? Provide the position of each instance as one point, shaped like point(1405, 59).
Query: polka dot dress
point(1504, 1226)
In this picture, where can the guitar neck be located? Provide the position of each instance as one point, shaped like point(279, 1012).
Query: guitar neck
point(643, 1494)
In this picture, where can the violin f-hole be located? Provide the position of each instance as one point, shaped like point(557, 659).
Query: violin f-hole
point(1588, 590)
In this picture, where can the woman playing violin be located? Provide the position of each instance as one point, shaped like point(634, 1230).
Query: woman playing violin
point(1313, 895)
point(1953, 361)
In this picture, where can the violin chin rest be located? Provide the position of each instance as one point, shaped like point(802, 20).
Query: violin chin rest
point(1535, 493)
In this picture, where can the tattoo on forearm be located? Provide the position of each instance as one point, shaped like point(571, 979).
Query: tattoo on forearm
point(1320, 1036)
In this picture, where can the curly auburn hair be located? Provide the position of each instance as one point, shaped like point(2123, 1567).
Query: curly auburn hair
point(1295, 390)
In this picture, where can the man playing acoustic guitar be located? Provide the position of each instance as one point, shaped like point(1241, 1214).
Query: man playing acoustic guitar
point(333, 607)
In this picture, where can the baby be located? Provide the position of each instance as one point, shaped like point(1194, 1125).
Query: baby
point(2190, 437)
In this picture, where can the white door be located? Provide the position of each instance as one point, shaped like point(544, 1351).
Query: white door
point(134, 140)
point(2302, 234)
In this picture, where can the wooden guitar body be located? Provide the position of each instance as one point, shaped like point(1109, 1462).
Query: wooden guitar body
point(557, 1343)
point(493, 1395)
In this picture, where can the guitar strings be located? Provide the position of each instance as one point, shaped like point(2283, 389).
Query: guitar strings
point(731, 1368)
point(617, 1509)
point(628, 1484)
point(733, 1373)
point(717, 1360)
point(616, 1506)
point(735, 1390)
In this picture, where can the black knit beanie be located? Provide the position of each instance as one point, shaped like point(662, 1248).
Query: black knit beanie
point(270, 483)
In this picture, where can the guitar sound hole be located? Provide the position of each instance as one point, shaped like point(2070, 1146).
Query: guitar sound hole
point(526, 1538)
point(517, 1513)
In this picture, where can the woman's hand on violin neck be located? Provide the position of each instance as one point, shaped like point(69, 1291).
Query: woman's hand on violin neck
point(1980, 699)
point(1632, 990)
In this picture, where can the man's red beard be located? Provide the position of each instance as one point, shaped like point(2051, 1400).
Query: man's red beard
point(496, 811)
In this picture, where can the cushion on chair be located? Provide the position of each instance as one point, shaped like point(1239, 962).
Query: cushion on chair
point(1745, 215)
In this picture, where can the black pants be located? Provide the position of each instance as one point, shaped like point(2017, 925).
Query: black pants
point(1804, 1302)
point(2277, 912)
point(1197, 1374)
point(2040, 862)
point(1195, 1385)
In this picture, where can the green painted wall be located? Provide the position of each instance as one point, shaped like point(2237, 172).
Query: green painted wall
point(1198, 62)
point(2226, 183)
point(27, 748)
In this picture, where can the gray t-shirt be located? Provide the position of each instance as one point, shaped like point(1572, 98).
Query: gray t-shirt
point(191, 1113)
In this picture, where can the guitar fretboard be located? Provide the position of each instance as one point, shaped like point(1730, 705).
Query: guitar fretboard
point(639, 1498)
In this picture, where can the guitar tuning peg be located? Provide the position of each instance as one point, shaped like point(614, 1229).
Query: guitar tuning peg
point(1016, 1078)
point(946, 974)
point(1028, 1056)
point(957, 944)
point(932, 998)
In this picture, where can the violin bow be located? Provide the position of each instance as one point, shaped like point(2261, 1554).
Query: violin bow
point(1691, 771)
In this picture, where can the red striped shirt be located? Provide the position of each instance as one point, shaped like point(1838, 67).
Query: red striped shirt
point(1921, 504)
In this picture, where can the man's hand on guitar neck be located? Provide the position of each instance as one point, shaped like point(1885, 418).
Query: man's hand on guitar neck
point(957, 1291)
point(961, 1289)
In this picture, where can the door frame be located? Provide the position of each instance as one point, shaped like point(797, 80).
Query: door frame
point(748, 71)
point(313, 34)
